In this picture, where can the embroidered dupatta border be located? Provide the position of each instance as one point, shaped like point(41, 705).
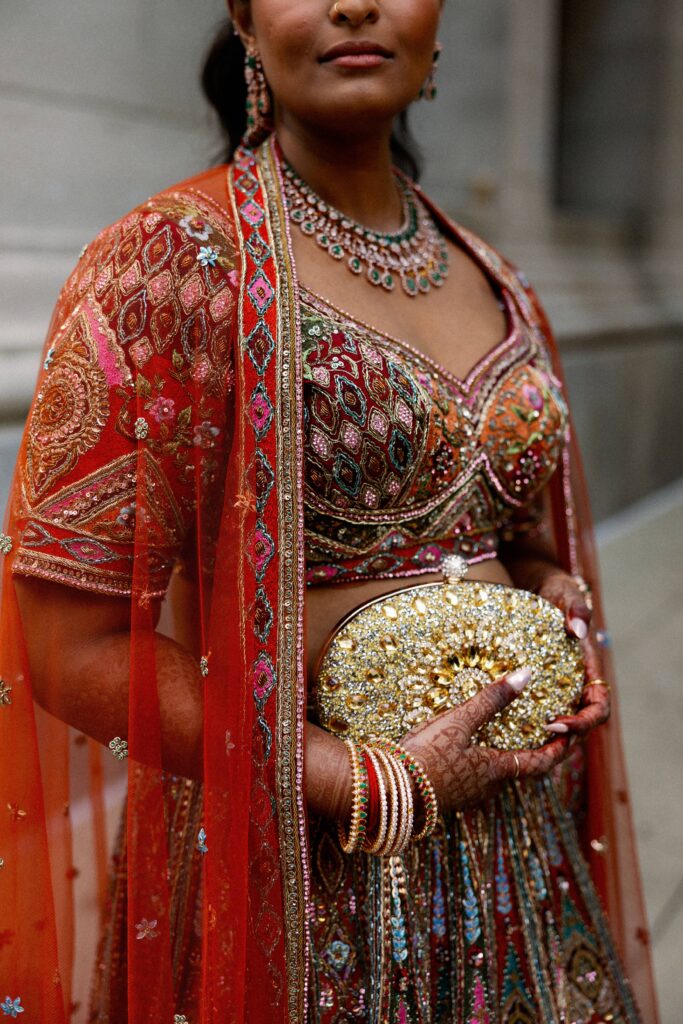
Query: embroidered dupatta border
point(268, 312)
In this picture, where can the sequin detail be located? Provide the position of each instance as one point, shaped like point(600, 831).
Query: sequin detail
point(476, 925)
point(141, 353)
point(119, 748)
point(406, 464)
point(12, 1007)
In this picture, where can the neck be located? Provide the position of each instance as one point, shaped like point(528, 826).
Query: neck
point(352, 173)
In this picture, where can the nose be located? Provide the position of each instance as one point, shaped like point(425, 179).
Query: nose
point(355, 12)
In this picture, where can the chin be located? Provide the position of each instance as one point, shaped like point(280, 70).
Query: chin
point(360, 110)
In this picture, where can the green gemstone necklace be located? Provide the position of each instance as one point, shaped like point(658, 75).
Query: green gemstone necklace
point(416, 257)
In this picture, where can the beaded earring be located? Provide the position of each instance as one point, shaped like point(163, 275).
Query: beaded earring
point(429, 89)
point(259, 123)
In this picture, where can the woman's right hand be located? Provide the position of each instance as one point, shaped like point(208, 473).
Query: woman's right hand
point(464, 774)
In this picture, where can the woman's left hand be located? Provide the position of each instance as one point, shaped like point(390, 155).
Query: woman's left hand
point(562, 590)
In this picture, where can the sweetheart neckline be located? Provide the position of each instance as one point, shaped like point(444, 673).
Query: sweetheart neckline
point(490, 357)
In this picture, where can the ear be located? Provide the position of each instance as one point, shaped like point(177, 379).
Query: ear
point(240, 15)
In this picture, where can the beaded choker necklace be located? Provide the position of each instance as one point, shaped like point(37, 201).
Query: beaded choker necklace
point(416, 257)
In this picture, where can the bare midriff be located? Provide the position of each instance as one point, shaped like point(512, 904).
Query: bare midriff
point(326, 606)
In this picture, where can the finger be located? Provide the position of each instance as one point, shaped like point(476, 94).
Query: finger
point(591, 716)
point(524, 764)
point(592, 659)
point(565, 593)
point(481, 708)
point(534, 763)
point(578, 618)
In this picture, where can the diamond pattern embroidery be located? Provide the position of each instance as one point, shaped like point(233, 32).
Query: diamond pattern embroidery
point(260, 411)
point(258, 249)
point(260, 292)
point(252, 213)
point(261, 550)
point(247, 184)
point(262, 479)
point(90, 551)
point(263, 678)
point(263, 616)
point(260, 346)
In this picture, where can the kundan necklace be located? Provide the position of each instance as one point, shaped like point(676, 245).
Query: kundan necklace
point(416, 257)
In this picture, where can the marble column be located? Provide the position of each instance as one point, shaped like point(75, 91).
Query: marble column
point(526, 177)
point(100, 107)
point(667, 218)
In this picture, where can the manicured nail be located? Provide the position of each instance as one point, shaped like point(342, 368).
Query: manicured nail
point(518, 679)
point(578, 628)
point(557, 727)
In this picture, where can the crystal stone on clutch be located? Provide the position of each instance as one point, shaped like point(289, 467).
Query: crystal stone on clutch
point(417, 652)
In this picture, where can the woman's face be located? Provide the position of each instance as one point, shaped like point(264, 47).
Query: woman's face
point(346, 67)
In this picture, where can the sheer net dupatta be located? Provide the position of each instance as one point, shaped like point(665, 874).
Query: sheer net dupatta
point(609, 840)
point(163, 445)
point(608, 836)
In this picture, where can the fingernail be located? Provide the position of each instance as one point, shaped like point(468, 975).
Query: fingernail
point(557, 727)
point(518, 679)
point(578, 628)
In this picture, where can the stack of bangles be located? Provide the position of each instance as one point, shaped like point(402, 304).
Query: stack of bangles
point(383, 813)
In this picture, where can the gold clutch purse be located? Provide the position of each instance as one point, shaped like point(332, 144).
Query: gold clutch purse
point(409, 655)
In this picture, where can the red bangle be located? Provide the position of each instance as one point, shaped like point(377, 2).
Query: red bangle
point(373, 795)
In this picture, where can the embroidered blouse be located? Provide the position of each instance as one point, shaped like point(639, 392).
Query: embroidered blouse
point(404, 462)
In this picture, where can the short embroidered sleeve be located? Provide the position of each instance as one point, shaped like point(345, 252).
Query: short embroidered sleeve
point(132, 404)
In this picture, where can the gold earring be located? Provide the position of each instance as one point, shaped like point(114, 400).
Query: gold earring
point(259, 122)
point(429, 89)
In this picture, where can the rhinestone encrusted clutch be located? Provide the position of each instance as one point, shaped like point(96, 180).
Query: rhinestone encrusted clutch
point(409, 655)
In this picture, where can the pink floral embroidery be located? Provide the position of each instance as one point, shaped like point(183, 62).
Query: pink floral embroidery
point(264, 678)
point(205, 434)
point(161, 409)
point(533, 396)
point(201, 368)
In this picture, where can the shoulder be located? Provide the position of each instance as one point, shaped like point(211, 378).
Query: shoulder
point(137, 372)
point(160, 280)
point(177, 231)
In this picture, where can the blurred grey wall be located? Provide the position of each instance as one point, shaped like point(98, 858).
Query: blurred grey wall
point(556, 133)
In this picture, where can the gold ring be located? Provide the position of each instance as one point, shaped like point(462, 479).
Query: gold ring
point(597, 682)
point(518, 767)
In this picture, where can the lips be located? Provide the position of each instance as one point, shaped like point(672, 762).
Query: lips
point(356, 51)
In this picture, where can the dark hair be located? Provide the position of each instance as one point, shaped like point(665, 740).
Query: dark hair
point(225, 88)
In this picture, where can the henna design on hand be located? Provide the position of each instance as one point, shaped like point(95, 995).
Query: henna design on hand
point(562, 590)
point(595, 702)
point(463, 774)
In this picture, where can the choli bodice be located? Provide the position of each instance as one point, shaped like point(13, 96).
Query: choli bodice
point(406, 463)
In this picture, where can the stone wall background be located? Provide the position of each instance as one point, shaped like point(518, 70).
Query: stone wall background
point(555, 134)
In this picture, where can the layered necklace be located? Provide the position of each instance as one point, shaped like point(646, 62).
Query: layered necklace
point(416, 257)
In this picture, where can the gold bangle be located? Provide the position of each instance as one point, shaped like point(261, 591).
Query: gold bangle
point(597, 682)
point(518, 767)
point(423, 785)
point(406, 808)
point(359, 812)
point(392, 789)
point(374, 845)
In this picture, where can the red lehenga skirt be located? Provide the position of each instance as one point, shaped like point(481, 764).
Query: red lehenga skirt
point(494, 920)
